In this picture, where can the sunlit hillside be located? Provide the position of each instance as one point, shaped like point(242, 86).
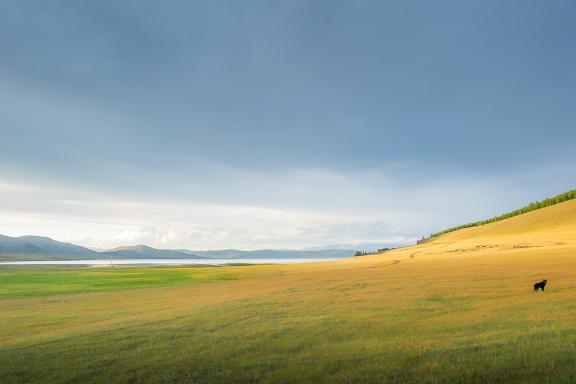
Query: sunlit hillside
point(548, 229)
point(459, 308)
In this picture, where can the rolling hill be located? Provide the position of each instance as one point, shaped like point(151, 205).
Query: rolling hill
point(145, 252)
point(41, 248)
point(563, 197)
point(552, 227)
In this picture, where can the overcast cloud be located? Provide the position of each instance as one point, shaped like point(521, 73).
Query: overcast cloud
point(262, 124)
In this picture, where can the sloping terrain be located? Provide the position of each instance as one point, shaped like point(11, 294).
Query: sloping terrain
point(41, 248)
point(457, 309)
point(536, 205)
point(145, 252)
point(552, 228)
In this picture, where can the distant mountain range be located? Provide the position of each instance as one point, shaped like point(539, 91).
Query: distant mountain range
point(146, 252)
point(43, 248)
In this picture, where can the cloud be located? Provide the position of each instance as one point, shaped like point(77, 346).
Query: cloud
point(210, 125)
point(299, 209)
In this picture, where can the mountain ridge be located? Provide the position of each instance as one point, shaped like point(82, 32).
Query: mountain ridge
point(141, 251)
point(41, 248)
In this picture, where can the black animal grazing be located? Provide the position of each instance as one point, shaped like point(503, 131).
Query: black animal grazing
point(540, 285)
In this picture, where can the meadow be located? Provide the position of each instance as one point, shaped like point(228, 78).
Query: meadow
point(32, 281)
point(457, 309)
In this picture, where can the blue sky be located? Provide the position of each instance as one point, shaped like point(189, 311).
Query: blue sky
point(269, 124)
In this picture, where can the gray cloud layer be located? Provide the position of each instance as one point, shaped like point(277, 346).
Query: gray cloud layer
point(351, 121)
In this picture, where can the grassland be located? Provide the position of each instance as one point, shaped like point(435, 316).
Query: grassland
point(457, 309)
point(28, 282)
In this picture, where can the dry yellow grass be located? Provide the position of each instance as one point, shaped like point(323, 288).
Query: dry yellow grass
point(457, 309)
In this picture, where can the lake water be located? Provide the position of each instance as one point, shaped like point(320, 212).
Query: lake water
point(136, 262)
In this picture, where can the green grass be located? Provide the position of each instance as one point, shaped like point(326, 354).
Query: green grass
point(28, 282)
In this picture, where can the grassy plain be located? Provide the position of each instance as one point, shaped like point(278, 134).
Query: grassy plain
point(457, 309)
point(27, 282)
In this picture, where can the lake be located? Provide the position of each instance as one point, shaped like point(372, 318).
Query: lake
point(140, 262)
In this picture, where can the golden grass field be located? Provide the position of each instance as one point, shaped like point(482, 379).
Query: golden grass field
point(457, 309)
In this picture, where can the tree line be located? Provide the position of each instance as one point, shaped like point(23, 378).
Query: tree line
point(366, 253)
point(570, 195)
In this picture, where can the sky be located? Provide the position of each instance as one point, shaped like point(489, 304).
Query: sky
point(280, 124)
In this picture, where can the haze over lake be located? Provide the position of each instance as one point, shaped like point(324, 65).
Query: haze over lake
point(136, 262)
